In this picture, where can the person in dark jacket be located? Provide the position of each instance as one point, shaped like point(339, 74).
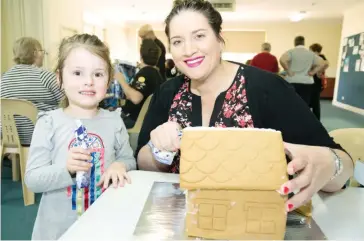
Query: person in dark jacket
point(146, 32)
point(317, 78)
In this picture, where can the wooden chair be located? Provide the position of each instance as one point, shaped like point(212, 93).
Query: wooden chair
point(352, 140)
point(134, 132)
point(11, 142)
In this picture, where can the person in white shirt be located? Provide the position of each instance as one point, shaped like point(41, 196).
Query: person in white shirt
point(301, 65)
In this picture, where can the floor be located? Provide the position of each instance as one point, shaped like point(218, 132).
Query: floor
point(17, 221)
point(336, 118)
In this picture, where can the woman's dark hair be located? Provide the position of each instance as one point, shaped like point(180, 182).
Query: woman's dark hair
point(150, 52)
point(316, 48)
point(204, 7)
point(170, 63)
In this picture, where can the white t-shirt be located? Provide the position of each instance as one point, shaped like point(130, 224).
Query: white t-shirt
point(301, 61)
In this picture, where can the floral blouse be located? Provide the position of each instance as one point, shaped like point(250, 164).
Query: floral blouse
point(231, 109)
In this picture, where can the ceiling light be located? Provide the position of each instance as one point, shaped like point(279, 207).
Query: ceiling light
point(298, 16)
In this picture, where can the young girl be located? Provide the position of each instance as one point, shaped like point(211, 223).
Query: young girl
point(84, 72)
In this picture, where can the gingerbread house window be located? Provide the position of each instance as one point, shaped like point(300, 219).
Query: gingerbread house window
point(212, 216)
point(261, 220)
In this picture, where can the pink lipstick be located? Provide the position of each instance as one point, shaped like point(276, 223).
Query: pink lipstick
point(194, 62)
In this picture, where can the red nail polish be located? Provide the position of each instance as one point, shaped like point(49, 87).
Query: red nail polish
point(286, 190)
point(290, 206)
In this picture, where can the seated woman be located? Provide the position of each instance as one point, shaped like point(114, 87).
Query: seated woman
point(145, 82)
point(27, 81)
point(216, 93)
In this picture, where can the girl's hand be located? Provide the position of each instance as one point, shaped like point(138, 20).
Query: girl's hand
point(115, 173)
point(315, 167)
point(78, 160)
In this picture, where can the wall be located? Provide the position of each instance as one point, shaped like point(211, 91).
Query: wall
point(46, 20)
point(19, 18)
point(61, 19)
point(281, 35)
point(352, 24)
point(116, 37)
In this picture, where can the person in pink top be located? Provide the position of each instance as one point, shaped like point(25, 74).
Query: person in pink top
point(265, 60)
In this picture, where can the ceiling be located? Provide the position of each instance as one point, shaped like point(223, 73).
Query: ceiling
point(123, 11)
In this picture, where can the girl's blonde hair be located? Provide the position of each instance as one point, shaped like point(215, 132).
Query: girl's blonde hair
point(24, 49)
point(89, 42)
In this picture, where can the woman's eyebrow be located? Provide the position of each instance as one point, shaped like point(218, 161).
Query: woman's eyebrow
point(193, 32)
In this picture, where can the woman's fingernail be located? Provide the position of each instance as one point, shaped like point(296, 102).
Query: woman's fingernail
point(285, 190)
point(290, 206)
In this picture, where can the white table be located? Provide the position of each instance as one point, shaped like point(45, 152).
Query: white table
point(115, 214)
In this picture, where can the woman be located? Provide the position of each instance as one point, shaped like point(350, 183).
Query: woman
point(27, 81)
point(216, 93)
point(318, 86)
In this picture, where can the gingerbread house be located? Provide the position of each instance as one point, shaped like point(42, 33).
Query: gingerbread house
point(232, 176)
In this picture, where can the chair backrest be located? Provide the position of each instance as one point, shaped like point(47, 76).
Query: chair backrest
point(9, 108)
point(138, 124)
point(352, 140)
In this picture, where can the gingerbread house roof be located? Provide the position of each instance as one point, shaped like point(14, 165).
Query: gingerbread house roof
point(232, 158)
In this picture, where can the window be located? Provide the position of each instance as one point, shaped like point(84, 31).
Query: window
point(261, 219)
point(212, 216)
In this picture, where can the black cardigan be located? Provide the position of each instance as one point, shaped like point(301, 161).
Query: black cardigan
point(273, 103)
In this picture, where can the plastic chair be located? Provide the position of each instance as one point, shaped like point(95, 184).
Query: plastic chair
point(11, 142)
point(139, 122)
point(352, 140)
point(134, 132)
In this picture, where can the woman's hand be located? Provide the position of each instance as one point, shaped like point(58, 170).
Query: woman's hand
point(78, 160)
point(315, 167)
point(117, 174)
point(165, 137)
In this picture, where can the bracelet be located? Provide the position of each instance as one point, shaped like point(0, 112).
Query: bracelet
point(338, 164)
